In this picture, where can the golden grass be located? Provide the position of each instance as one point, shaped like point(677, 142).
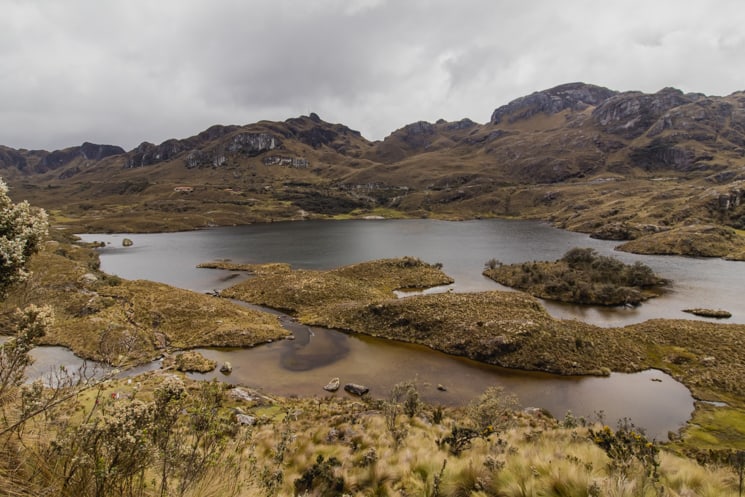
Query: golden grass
point(535, 457)
point(302, 291)
point(127, 322)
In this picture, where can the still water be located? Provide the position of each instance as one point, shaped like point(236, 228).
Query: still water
point(462, 248)
point(651, 399)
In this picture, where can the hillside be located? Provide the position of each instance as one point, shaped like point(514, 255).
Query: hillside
point(618, 165)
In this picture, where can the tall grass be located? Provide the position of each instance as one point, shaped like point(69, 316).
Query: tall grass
point(533, 457)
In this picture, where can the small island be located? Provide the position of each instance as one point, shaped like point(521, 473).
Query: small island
point(709, 313)
point(581, 276)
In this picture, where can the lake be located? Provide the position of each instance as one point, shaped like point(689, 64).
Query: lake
point(651, 399)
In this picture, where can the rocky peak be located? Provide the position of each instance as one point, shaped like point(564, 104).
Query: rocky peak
point(416, 135)
point(216, 131)
point(11, 158)
point(459, 125)
point(148, 153)
point(574, 96)
point(92, 151)
point(314, 131)
point(87, 151)
point(631, 114)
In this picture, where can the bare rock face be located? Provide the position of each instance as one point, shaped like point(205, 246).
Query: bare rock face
point(92, 151)
point(574, 96)
point(87, 151)
point(631, 114)
point(147, 153)
point(252, 144)
point(664, 153)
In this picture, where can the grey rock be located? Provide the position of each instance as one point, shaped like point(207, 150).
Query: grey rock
point(226, 368)
point(356, 389)
point(245, 419)
point(332, 385)
point(240, 393)
point(631, 114)
point(574, 96)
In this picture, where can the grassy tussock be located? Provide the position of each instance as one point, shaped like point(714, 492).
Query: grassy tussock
point(696, 240)
point(509, 329)
point(349, 445)
point(301, 291)
point(582, 276)
point(121, 322)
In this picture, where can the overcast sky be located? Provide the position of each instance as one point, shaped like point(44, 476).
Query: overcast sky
point(123, 72)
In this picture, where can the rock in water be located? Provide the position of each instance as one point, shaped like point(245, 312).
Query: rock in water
point(332, 386)
point(356, 389)
point(226, 368)
point(127, 242)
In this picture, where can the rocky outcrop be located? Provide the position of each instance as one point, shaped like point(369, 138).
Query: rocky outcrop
point(631, 114)
point(574, 96)
point(147, 154)
point(248, 144)
point(44, 161)
point(312, 130)
point(252, 144)
point(92, 151)
point(11, 158)
point(664, 153)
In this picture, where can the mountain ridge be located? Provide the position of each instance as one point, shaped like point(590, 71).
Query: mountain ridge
point(618, 165)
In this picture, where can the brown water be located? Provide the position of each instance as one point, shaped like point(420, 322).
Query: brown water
point(303, 366)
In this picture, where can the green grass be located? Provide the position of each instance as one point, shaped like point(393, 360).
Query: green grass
point(714, 427)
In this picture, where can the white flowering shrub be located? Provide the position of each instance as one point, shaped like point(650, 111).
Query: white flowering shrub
point(31, 324)
point(22, 228)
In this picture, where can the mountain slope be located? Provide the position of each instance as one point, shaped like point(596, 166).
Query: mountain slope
point(620, 165)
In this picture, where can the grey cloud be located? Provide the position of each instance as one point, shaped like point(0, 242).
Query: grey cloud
point(124, 72)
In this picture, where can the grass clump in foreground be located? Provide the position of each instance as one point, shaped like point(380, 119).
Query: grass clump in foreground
point(166, 435)
point(581, 276)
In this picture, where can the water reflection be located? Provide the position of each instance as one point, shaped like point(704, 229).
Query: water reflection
point(462, 247)
point(311, 349)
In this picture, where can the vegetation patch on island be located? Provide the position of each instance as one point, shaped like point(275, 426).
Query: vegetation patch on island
point(509, 329)
point(190, 361)
point(304, 290)
point(123, 322)
point(709, 313)
point(581, 276)
point(270, 268)
point(694, 240)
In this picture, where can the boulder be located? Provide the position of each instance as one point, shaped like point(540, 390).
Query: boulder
point(226, 368)
point(245, 419)
point(332, 385)
point(127, 242)
point(239, 393)
point(356, 389)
